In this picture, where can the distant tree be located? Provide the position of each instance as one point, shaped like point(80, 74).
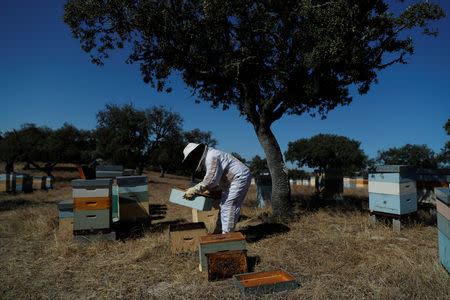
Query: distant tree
point(416, 155)
point(257, 164)
point(444, 156)
point(327, 151)
point(298, 174)
point(266, 58)
point(238, 156)
point(198, 136)
point(169, 155)
point(128, 136)
point(44, 148)
point(9, 150)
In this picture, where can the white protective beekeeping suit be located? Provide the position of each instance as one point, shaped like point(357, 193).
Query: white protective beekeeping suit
point(226, 172)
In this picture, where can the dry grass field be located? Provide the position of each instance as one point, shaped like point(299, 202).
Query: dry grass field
point(331, 250)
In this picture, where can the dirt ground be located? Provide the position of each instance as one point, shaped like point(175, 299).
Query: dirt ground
point(331, 250)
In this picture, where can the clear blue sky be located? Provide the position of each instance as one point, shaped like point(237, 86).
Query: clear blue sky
point(46, 79)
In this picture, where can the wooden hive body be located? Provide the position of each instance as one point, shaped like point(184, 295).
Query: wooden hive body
point(133, 198)
point(225, 264)
point(38, 182)
point(185, 237)
point(4, 182)
point(208, 217)
point(49, 182)
point(444, 250)
point(264, 282)
point(219, 242)
point(65, 214)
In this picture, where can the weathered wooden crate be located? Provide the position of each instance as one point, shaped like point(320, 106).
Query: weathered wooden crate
point(225, 264)
point(208, 217)
point(219, 242)
point(39, 182)
point(4, 182)
point(92, 194)
point(393, 204)
point(200, 202)
point(264, 282)
point(133, 198)
point(185, 237)
point(444, 250)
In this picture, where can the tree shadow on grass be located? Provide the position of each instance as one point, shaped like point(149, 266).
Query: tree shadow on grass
point(8, 205)
point(256, 233)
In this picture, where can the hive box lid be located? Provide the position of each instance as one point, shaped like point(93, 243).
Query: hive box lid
point(110, 168)
point(393, 169)
point(91, 183)
point(66, 205)
point(221, 238)
point(132, 180)
point(264, 282)
point(442, 194)
point(198, 202)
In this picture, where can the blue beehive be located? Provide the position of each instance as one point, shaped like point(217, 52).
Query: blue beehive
point(49, 182)
point(4, 182)
point(392, 190)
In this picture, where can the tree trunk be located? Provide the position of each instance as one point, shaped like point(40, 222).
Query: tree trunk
point(162, 173)
point(9, 168)
point(281, 190)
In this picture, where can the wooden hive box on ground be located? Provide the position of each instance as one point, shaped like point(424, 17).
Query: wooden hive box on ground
point(393, 192)
point(39, 182)
point(65, 214)
point(208, 217)
point(225, 264)
point(24, 183)
point(443, 220)
point(219, 242)
point(91, 205)
point(133, 198)
point(264, 282)
point(109, 171)
point(4, 182)
point(185, 237)
point(200, 202)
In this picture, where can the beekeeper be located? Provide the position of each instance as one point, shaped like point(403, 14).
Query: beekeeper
point(223, 171)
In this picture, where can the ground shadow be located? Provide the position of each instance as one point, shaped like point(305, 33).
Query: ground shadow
point(157, 211)
point(161, 226)
point(252, 261)
point(18, 203)
point(256, 233)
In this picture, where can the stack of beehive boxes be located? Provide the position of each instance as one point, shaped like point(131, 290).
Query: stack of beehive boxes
point(4, 182)
point(392, 191)
point(24, 183)
point(346, 182)
point(92, 209)
point(49, 182)
point(305, 182)
point(361, 182)
point(133, 198)
point(443, 220)
point(429, 179)
point(312, 181)
point(329, 184)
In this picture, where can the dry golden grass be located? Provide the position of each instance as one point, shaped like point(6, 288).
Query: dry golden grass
point(331, 250)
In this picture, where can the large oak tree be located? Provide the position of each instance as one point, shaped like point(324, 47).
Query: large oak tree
point(268, 58)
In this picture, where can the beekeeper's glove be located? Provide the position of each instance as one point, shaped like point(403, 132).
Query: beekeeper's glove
point(190, 193)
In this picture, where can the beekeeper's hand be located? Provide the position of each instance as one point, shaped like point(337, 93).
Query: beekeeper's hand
point(190, 193)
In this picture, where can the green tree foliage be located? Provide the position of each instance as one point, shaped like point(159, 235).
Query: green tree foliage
point(256, 165)
point(9, 150)
point(415, 155)
point(267, 58)
point(44, 147)
point(327, 151)
point(444, 156)
point(128, 136)
point(198, 136)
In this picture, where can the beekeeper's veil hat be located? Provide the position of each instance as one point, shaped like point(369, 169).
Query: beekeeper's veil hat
point(194, 155)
